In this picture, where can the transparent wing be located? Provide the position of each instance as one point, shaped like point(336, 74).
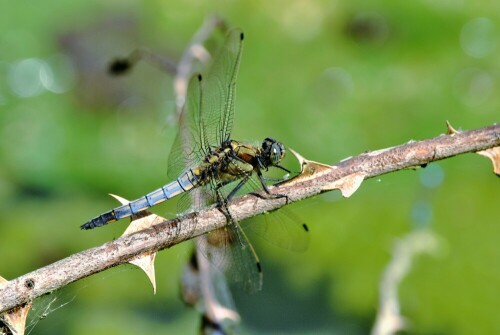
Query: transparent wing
point(230, 251)
point(219, 89)
point(228, 248)
point(207, 118)
point(195, 200)
point(188, 148)
point(206, 122)
point(281, 227)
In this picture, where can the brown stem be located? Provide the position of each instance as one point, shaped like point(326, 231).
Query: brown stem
point(171, 232)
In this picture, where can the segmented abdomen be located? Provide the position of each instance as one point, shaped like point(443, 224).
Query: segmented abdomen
point(186, 182)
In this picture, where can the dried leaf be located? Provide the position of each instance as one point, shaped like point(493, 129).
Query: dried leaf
point(494, 155)
point(141, 221)
point(347, 185)
point(147, 263)
point(15, 319)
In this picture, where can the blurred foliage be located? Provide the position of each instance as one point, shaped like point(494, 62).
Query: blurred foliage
point(330, 79)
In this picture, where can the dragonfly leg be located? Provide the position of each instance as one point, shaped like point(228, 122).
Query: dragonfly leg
point(222, 206)
point(238, 187)
point(282, 168)
point(242, 240)
point(273, 179)
point(266, 189)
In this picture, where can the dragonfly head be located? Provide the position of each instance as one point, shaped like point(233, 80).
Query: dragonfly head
point(273, 151)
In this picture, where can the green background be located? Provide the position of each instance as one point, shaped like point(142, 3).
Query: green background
point(331, 79)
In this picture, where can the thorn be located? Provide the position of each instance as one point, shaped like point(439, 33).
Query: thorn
point(121, 200)
point(451, 130)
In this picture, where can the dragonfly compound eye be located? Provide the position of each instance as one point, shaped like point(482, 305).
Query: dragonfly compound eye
point(277, 152)
point(273, 150)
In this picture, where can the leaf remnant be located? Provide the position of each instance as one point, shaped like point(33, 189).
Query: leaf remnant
point(15, 319)
point(347, 185)
point(494, 155)
point(308, 167)
point(140, 221)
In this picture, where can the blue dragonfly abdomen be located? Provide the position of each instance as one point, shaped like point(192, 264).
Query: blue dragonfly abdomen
point(186, 182)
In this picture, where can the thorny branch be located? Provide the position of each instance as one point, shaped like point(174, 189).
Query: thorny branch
point(167, 233)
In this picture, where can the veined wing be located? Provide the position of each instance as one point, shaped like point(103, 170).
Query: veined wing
point(189, 147)
point(230, 251)
point(207, 118)
point(219, 89)
point(206, 122)
point(280, 227)
point(228, 248)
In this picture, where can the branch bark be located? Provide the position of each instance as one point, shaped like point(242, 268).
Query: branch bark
point(167, 233)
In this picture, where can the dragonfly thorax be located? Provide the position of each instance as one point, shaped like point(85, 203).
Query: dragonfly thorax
point(222, 163)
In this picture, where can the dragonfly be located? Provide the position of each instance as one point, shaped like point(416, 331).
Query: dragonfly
point(208, 167)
